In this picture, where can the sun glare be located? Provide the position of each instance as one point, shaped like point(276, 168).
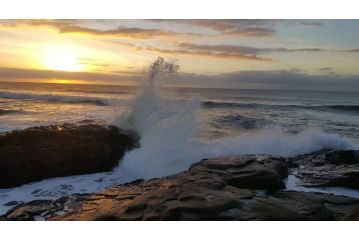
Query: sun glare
point(62, 58)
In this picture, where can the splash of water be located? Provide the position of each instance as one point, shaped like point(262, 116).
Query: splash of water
point(167, 128)
point(148, 108)
point(169, 142)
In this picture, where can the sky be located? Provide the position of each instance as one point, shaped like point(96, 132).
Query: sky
point(259, 54)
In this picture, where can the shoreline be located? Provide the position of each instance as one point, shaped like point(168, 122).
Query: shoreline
point(249, 178)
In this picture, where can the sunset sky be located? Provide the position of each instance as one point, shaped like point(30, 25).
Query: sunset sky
point(268, 54)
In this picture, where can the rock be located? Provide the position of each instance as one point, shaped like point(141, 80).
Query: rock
point(60, 150)
point(245, 187)
point(353, 216)
point(227, 188)
point(327, 168)
point(43, 209)
point(11, 203)
point(249, 171)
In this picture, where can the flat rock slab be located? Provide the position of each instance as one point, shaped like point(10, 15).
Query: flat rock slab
point(245, 187)
point(327, 168)
point(60, 150)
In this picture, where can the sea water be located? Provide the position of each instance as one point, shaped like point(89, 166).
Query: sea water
point(178, 126)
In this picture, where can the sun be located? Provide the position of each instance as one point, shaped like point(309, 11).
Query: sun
point(62, 58)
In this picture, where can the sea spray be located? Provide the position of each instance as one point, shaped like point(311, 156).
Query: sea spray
point(147, 108)
point(169, 142)
point(168, 129)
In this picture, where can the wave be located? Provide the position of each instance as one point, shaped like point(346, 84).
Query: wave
point(169, 142)
point(6, 111)
point(55, 98)
point(214, 104)
point(352, 108)
point(238, 121)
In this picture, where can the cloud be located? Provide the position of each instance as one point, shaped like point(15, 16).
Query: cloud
point(255, 32)
point(19, 73)
point(312, 23)
point(241, 27)
point(39, 22)
point(245, 49)
point(252, 28)
point(275, 79)
point(124, 32)
point(218, 51)
point(249, 28)
point(68, 26)
point(93, 62)
point(325, 69)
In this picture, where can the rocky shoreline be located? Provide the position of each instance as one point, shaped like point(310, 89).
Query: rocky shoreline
point(246, 187)
point(44, 152)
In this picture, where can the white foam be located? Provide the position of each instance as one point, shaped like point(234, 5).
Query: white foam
point(294, 184)
point(58, 97)
point(169, 144)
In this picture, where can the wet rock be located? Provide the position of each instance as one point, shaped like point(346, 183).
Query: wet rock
point(327, 168)
point(353, 216)
point(245, 187)
point(44, 209)
point(60, 150)
point(11, 203)
point(250, 171)
point(226, 188)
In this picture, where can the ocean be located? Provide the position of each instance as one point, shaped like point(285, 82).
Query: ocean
point(223, 112)
point(179, 126)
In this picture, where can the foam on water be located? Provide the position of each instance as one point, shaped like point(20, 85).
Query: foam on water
point(292, 183)
point(169, 144)
point(55, 97)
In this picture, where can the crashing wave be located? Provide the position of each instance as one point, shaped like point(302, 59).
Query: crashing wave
point(54, 98)
point(214, 104)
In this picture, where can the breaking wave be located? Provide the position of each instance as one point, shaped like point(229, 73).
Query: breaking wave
point(238, 121)
point(352, 108)
point(169, 142)
point(214, 104)
point(55, 98)
point(6, 111)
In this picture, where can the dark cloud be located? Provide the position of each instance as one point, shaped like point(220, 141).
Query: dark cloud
point(76, 26)
point(18, 73)
point(219, 51)
point(255, 28)
point(240, 27)
point(325, 69)
point(297, 70)
point(312, 23)
point(244, 49)
point(137, 33)
point(255, 32)
point(39, 22)
point(276, 79)
point(93, 62)
point(226, 52)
